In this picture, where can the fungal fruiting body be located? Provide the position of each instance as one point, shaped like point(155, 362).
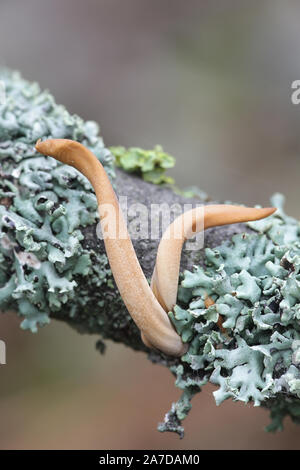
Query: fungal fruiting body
point(131, 282)
point(146, 306)
point(166, 272)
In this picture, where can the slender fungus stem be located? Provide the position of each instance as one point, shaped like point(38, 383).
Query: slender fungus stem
point(166, 272)
point(134, 289)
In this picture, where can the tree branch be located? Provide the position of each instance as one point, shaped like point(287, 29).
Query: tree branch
point(53, 264)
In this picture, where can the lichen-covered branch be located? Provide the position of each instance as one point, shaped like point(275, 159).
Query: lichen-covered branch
point(53, 264)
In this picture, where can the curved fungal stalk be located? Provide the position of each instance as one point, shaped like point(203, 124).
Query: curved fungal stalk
point(147, 306)
point(134, 289)
point(166, 272)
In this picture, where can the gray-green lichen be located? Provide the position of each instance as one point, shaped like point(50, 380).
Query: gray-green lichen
point(254, 281)
point(43, 207)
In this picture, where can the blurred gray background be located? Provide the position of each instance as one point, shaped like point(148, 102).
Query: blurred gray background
point(210, 82)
